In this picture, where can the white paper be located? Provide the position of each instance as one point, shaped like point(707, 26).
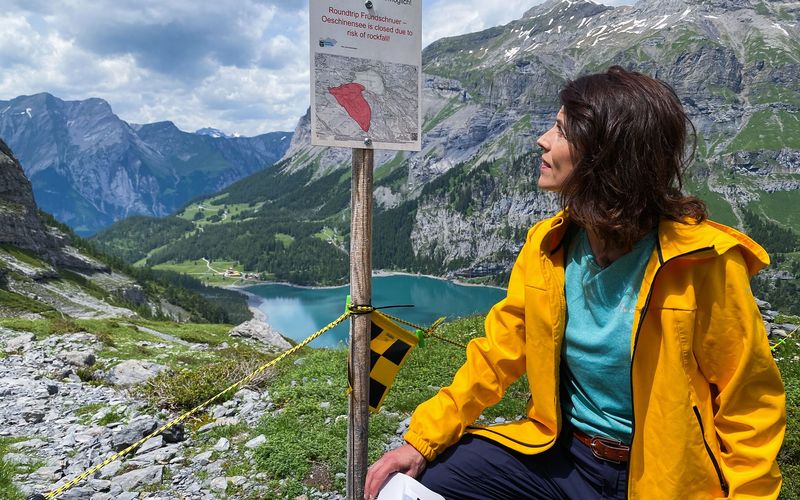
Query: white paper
point(402, 487)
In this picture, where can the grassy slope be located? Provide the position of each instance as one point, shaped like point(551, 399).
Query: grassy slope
point(788, 358)
point(768, 129)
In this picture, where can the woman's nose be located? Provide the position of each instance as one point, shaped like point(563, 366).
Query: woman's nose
point(542, 141)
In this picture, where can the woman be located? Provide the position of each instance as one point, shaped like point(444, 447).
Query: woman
point(648, 364)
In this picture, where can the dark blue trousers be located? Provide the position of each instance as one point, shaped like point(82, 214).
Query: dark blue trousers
point(477, 468)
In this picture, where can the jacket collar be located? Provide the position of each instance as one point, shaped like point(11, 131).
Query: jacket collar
point(676, 239)
point(679, 239)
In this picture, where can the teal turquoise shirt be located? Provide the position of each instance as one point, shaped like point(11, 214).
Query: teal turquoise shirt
point(595, 369)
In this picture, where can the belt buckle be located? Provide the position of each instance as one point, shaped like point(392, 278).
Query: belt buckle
point(608, 443)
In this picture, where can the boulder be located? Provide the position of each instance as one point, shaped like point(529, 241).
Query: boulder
point(78, 358)
point(136, 430)
point(258, 330)
point(139, 477)
point(256, 442)
point(219, 484)
point(174, 434)
point(223, 444)
point(133, 372)
point(151, 444)
point(20, 342)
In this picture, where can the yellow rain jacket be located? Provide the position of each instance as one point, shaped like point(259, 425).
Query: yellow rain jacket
point(708, 401)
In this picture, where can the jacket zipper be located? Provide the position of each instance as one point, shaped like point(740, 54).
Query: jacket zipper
point(722, 483)
point(636, 342)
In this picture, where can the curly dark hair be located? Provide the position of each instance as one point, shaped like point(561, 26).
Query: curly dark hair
point(631, 141)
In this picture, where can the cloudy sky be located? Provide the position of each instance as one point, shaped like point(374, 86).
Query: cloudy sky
point(241, 67)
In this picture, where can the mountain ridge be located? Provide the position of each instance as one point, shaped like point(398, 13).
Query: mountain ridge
point(90, 168)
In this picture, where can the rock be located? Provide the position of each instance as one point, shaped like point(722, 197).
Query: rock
point(139, 477)
point(788, 327)
point(402, 427)
point(110, 470)
point(78, 358)
point(100, 484)
point(203, 458)
point(33, 416)
point(17, 459)
point(20, 342)
point(214, 469)
point(247, 408)
point(151, 444)
point(219, 422)
point(21, 225)
point(133, 372)
point(219, 484)
point(160, 456)
point(222, 445)
point(49, 473)
point(256, 442)
point(174, 434)
point(246, 394)
point(262, 332)
point(136, 430)
point(778, 332)
point(31, 443)
point(77, 493)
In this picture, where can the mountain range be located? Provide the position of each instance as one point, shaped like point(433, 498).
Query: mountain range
point(90, 168)
point(462, 205)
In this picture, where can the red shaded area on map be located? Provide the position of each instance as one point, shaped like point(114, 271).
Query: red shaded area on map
point(350, 98)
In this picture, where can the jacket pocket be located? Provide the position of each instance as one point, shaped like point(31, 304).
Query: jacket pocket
point(722, 483)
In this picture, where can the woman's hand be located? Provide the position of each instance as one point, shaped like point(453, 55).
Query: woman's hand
point(405, 459)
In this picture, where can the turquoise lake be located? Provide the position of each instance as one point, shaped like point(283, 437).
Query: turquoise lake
point(298, 312)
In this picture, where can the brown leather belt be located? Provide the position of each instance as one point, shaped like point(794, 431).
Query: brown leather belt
point(604, 448)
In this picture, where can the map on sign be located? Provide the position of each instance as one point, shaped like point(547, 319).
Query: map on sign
point(358, 98)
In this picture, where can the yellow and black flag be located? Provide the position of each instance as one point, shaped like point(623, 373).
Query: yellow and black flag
point(389, 347)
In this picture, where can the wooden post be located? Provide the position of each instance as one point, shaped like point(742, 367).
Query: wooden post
point(361, 293)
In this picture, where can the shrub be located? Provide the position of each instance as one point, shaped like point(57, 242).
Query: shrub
point(183, 390)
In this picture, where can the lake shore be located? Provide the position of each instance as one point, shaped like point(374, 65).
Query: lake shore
point(253, 301)
point(379, 273)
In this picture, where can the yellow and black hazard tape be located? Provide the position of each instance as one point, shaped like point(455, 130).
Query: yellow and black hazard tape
point(784, 339)
point(74, 481)
point(424, 333)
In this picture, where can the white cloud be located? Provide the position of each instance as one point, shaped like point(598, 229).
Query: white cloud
point(447, 18)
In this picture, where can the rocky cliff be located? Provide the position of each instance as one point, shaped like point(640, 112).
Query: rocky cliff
point(89, 168)
point(21, 224)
